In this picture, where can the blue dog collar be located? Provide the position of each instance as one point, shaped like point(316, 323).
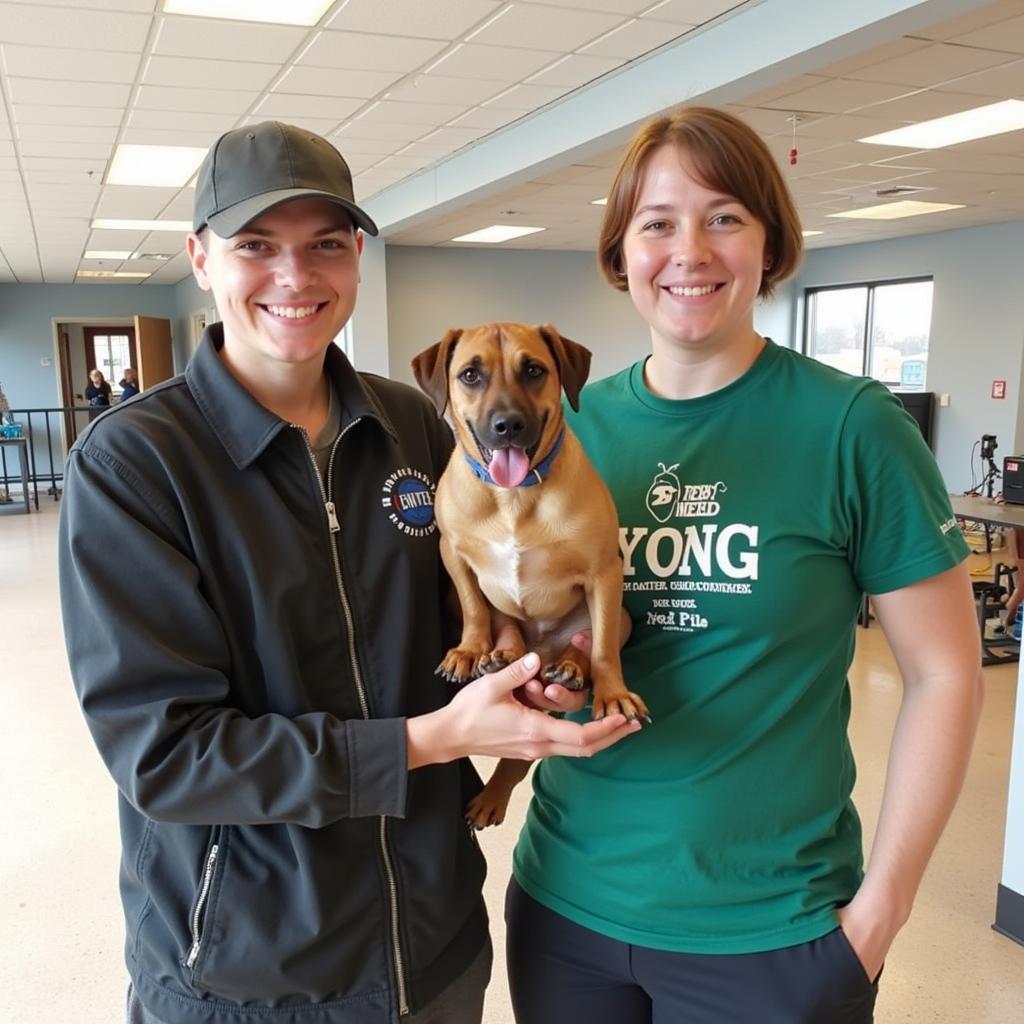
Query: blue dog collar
point(536, 475)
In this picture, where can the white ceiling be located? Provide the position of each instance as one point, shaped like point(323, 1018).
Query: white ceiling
point(400, 85)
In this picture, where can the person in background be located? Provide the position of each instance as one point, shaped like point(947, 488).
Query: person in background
point(710, 871)
point(129, 384)
point(292, 773)
point(97, 393)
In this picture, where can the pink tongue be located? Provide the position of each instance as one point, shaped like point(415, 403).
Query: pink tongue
point(509, 467)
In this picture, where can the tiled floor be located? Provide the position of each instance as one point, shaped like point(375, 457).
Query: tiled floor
point(61, 928)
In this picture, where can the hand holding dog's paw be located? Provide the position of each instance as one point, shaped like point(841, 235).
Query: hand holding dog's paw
point(621, 702)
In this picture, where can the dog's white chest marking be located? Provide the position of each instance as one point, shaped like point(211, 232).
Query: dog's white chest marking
point(508, 562)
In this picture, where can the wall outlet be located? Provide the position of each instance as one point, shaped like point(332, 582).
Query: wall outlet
point(944, 398)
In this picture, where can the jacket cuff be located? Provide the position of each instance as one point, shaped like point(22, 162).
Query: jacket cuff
point(378, 766)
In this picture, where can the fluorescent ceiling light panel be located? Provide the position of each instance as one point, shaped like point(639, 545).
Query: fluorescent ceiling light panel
point(496, 233)
point(166, 166)
point(979, 123)
point(106, 223)
point(110, 273)
point(106, 254)
point(807, 234)
point(294, 12)
point(599, 202)
point(894, 211)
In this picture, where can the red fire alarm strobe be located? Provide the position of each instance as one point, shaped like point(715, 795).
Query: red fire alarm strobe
point(999, 389)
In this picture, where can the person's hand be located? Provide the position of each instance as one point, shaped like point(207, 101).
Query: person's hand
point(553, 696)
point(869, 937)
point(485, 717)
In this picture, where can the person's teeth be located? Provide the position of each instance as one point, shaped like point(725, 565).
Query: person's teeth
point(705, 289)
point(293, 312)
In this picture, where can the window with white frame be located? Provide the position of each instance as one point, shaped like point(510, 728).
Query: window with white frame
point(875, 330)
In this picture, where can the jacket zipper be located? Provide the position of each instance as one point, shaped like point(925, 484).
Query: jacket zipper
point(197, 911)
point(334, 525)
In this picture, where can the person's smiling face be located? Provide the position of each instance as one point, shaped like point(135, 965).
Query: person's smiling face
point(285, 285)
point(694, 257)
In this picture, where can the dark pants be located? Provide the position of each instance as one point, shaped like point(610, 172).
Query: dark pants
point(462, 1002)
point(559, 971)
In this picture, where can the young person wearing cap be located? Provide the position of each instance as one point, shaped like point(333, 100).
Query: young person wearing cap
point(292, 775)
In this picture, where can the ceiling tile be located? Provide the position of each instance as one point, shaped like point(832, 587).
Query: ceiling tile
point(1007, 35)
point(287, 106)
point(206, 74)
point(440, 19)
point(161, 137)
point(921, 106)
point(363, 129)
point(43, 91)
point(365, 147)
point(693, 12)
point(487, 118)
point(1005, 82)
point(635, 39)
point(34, 25)
point(546, 28)
point(218, 101)
point(931, 65)
point(94, 150)
point(496, 63)
point(110, 240)
point(356, 51)
point(68, 134)
point(130, 201)
point(455, 137)
point(337, 82)
point(227, 40)
point(837, 96)
point(174, 120)
point(426, 114)
point(26, 113)
point(986, 15)
point(621, 7)
point(525, 97)
point(443, 89)
point(70, 65)
point(575, 70)
point(321, 125)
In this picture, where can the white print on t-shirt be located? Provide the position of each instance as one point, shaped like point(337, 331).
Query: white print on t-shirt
point(691, 557)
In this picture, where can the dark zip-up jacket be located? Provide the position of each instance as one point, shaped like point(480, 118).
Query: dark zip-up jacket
point(246, 645)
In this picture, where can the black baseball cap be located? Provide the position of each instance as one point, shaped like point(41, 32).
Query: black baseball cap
point(253, 169)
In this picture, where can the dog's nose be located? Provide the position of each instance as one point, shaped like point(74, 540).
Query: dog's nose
point(507, 426)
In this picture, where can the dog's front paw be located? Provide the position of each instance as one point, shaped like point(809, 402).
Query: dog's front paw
point(496, 660)
point(488, 807)
point(566, 673)
point(620, 702)
point(460, 666)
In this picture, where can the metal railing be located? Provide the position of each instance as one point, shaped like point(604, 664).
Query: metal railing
point(46, 430)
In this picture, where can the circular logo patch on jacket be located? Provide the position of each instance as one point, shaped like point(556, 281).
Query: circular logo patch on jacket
point(408, 499)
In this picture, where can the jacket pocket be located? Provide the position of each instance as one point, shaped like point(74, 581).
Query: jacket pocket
point(201, 914)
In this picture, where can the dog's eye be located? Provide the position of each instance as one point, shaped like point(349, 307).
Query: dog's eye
point(470, 375)
point(535, 371)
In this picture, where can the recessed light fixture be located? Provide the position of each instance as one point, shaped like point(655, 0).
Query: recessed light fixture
point(295, 12)
point(110, 273)
point(979, 123)
point(108, 224)
point(807, 234)
point(166, 166)
point(497, 233)
point(894, 211)
point(599, 202)
point(106, 254)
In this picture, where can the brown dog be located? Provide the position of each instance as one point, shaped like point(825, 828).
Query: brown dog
point(529, 533)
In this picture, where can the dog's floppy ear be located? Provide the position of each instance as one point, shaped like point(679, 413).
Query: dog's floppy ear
point(573, 363)
point(431, 369)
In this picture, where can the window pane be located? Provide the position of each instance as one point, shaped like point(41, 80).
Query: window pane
point(120, 357)
point(899, 335)
point(835, 333)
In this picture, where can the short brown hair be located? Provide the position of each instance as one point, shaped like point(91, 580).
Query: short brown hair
point(728, 156)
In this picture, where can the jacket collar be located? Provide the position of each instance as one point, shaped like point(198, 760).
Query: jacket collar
point(243, 426)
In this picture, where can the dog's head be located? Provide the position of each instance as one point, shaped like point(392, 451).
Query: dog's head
point(503, 385)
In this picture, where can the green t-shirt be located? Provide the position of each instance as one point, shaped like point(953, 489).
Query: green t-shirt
point(751, 521)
